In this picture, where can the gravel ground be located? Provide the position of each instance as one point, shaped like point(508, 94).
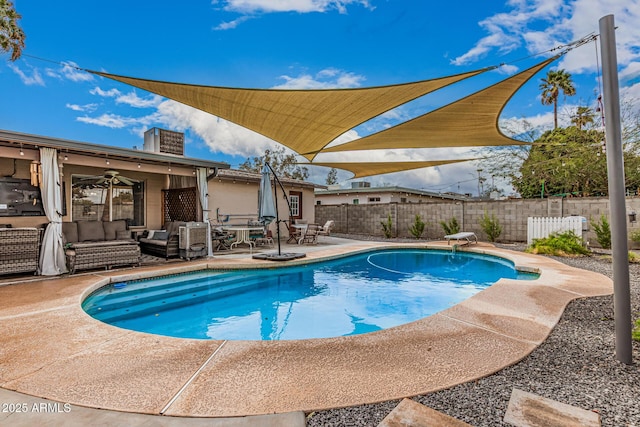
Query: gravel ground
point(576, 365)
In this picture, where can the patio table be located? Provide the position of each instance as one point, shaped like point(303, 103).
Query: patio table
point(242, 234)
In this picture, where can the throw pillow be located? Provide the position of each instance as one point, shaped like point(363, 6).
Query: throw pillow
point(123, 235)
point(160, 235)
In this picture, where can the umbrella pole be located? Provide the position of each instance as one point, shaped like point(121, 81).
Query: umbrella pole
point(275, 189)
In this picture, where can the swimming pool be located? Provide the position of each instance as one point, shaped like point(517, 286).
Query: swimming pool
point(346, 296)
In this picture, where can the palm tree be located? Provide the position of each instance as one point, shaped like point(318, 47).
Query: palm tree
point(583, 117)
point(555, 82)
point(11, 35)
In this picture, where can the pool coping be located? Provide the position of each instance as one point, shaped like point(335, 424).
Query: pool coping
point(52, 349)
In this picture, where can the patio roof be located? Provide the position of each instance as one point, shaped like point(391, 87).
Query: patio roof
point(364, 169)
point(17, 139)
point(303, 120)
point(470, 121)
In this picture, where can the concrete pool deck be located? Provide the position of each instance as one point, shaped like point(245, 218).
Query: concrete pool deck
point(50, 348)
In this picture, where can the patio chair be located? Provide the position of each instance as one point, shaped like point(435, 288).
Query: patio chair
point(266, 238)
point(296, 229)
point(325, 230)
point(310, 234)
point(220, 239)
point(468, 236)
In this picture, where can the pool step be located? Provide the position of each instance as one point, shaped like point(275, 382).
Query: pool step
point(141, 291)
point(180, 295)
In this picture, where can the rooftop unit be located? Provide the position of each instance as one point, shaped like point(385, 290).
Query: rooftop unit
point(164, 141)
point(360, 184)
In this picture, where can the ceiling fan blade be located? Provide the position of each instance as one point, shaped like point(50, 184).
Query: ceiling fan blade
point(128, 181)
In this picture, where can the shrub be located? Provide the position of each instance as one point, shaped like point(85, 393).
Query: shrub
point(603, 232)
point(561, 244)
point(417, 228)
point(636, 331)
point(451, 227)
point(635, 237)
point(490, 226)
point(387, 227)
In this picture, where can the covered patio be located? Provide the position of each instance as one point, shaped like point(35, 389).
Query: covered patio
point(76, 181)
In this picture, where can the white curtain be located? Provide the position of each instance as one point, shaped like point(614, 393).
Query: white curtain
point(203, 191)
point(52, 258)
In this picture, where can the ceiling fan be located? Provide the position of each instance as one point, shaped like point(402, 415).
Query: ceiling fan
point(107, 179)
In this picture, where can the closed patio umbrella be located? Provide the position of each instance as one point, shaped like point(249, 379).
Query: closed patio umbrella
point(266, 204)
point(268, 211)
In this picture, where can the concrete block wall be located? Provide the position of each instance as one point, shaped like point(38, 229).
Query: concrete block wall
point(511, 214)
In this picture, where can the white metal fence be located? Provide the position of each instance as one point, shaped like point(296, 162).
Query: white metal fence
point(541, 227)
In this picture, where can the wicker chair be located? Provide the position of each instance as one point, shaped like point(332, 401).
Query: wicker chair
point(19, 250)
point(166, 246)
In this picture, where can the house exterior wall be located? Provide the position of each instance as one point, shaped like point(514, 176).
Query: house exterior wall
point(240, 200)
point(364, 198)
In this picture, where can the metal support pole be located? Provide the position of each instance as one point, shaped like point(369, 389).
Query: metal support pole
point(615, 172)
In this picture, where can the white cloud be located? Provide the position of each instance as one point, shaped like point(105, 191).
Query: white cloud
point(111, 93)
point(230, 25)
point(70, 71)
point(250, 8)
point(132, 99)
point(220, 136)
point(116, 121)
point(300, 6)
point(34, 78)
point(540, 25)
point(86, 107)
point(329, 78)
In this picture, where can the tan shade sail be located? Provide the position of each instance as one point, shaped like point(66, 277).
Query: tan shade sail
point(471, 121)
point(303, 120)
point(362, 169)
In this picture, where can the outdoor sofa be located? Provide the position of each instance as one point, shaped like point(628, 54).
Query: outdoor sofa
point(99, 244)
point(19, 249)
point(162, 243)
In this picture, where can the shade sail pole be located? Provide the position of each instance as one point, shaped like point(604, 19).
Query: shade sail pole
point(615, 171)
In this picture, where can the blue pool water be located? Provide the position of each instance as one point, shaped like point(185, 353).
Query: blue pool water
point(347, 296)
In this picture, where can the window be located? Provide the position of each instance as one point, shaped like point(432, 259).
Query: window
point(356, 201)
point(318, 202)
point(403, 200)
point(103, 198)
point(374, 199)
point(295, 201)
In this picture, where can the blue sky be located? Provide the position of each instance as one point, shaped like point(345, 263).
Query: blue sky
point(294, 44)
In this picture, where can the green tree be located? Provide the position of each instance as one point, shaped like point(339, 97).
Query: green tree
point(551, 86)
point(11, 35)
point(564, 161)
point(332, 177)
point(284, 165)
point(583, 117)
